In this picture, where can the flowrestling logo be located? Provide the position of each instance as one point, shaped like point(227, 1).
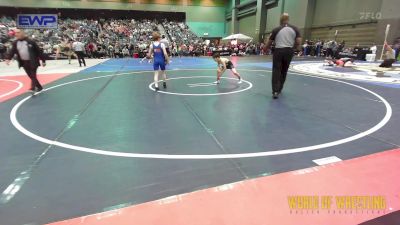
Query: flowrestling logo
point(37, 21)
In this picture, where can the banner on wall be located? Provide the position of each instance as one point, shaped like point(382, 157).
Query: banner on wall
point(37, 21)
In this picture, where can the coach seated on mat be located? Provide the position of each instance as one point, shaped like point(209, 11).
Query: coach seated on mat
point(389, 57)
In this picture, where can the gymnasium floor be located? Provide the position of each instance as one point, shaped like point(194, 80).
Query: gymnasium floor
point(100, 140)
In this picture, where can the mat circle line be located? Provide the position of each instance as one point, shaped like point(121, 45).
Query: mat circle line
point(383, 122)
point(213, 94)
point(20, 85)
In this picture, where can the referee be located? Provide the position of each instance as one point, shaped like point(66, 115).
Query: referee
point(286, 37)
point(79, 49)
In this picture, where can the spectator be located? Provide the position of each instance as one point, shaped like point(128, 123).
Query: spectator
point(3, 50)
point(396, 47)
point(125, 52)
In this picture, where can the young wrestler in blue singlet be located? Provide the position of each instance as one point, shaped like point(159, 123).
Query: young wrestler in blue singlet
point(160, 59)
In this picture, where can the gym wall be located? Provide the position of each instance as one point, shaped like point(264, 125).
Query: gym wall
point(390, 15)
point(247, 25)
point(328, 12)
point(297, 10)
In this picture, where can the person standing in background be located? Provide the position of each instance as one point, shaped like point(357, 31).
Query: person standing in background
point(79, 49)
point(396, 46)
point(29, 56)
point(3, 50)
point(318, 47)
point(165, 41)
point(69, 51)
point(286, 37)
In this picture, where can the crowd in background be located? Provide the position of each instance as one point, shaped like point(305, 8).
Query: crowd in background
point(105, 38)
point(332, 48)
point(121, 38)
point(323, 48)
point(179, 32)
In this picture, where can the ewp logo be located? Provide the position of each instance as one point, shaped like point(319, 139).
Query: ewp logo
point(37, 21)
